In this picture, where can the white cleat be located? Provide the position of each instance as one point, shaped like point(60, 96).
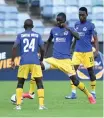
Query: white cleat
point(42, 108)
point(18, 107)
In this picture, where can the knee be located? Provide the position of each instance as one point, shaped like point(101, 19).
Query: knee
point(74, 80)
point(39, 83)
point(91, 74)
point(20, 82)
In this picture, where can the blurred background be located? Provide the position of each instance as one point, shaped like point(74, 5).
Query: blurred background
point(43, 12)
point(13, 13)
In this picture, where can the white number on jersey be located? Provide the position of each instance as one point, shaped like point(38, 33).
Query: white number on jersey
point(28, 45)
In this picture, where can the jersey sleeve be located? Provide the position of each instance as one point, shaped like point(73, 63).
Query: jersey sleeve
point(40, 41)
point(93, 30)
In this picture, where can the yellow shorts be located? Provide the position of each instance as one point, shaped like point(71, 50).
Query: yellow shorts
point(64, 65)
point(87, 59)
point(34, 69)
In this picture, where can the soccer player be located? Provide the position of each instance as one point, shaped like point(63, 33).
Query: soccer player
point(29, 42)
point(83, 53)
point(61, 58)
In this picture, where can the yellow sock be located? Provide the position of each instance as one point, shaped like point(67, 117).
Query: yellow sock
point(19, 92)
point(93, 86)
point(73, 87)
point(82, 87)
point(41, 96)
point(32, 86)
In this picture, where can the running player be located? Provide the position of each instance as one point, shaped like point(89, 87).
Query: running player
point(83, 53)
point(29, 42)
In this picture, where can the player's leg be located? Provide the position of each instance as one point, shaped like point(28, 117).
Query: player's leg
point(82, 87)
point(73, 88)
point(67, 67)
point(22, 75)
point(36, 73)
point(89, 63)
point(93, 80)
point(19, 92)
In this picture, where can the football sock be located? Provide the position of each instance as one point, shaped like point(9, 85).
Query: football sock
point(19, 92)
point(82, 87)
point(73, 87)
point(41, 96)
point(32, 86)
point(93, 86)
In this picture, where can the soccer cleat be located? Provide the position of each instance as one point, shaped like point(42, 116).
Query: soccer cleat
point(72, 96)
point(94, 95)
point(42, 108)
point(28, 95)
point(18, 107)
point(92, 99)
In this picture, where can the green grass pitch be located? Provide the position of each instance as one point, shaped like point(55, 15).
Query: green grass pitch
point(58, 106)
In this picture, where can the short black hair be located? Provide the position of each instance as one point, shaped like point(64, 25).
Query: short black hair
point(28, 23)
point(63, 15)
point(83, 9)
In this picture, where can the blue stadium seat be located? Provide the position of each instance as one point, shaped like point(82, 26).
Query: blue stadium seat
point(90, 16)
point(1, 30)
point(47, 11)
point(97, 9)
point(71, 2)
point(85, 3)
point(1, 24)
point(58, 9)
point(11, 31)
point(71, 9)
point(99, 30)
point(11, 16)
point(72, 16)
point(47, 31)
point(42, 3)
point(97, 2)
point(39, 30)
point(20, 30)
point(34, 2)
point(48, 2)
point(23, 16)
point(38, 23)
point(98, 23)
point(58, 2)
point(10, 23)
point(2, 16)
point(97, 16)
point(71, 23)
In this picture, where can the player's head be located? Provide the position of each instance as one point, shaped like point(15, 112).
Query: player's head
point(61, 18)
point(28, 24)
point(83, 14)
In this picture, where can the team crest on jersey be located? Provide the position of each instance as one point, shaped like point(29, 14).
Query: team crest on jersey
point(56, 34)
point(66, 33)
point(85, 29)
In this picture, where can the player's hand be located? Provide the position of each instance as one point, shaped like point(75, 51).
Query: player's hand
point(12, 64)
point(64, 25)
point(95, 54)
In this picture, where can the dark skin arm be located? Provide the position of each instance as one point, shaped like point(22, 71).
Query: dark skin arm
point(75, 34)
point(41, 53)
point(47, 45)
point(96, 45)
point(73, 46)
point(14, 48)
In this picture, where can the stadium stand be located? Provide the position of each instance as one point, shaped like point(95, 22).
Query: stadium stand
point(11, 18)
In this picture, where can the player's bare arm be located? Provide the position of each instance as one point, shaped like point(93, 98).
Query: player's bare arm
point(13, 55)
point(73, 46)
point(75, 34)
point(96, 45)
point(41, 53)
point(48, 43)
